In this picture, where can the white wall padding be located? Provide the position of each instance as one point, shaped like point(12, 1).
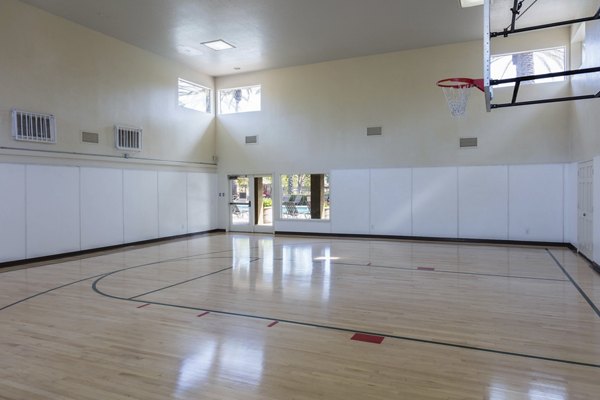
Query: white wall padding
point(141, 205)
point(483, 202)
point(570, 196)
point(12, 212)
point(201, 195)
point(52, 210)
point(172, 203)
point(101, 207)
point(536, 202)
point(435, 197)
point(350, 201)
point(391, 198)
point(596, 207)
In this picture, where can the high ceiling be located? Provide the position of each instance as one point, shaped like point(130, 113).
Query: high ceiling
point(281, 33)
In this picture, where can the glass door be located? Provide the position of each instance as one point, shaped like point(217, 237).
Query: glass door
point(239, 203)
point(250, 203)
point(263, 212)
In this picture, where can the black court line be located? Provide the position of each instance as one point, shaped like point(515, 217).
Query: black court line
point(49, 290)
point(444, 271)
point(103, 275)
point(135, 266)
point(189, 280)
point(341, 329)
point(350, 330)
point(439, 270)
point(426, 240)
point(180, 283)
point(581, 292)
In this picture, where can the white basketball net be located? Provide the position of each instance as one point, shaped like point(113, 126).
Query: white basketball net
point(457, 98)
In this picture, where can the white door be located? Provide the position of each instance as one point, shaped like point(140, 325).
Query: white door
point(585, 211)
point(250, 203)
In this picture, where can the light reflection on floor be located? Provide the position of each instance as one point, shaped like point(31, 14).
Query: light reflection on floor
point(225, 359)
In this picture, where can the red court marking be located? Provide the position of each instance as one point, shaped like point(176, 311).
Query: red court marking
point(363, 337)
point(273, 324)
point(425, 269)
point(144, 305)
point(203, 314)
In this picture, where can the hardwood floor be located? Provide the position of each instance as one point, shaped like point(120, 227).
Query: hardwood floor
point(260, 317)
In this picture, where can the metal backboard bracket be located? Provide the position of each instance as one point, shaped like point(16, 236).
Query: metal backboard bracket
point(487, 56)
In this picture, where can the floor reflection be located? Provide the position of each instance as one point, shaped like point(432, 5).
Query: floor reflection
point(537, 391)
point(229, 359)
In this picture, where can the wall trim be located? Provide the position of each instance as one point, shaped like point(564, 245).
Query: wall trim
point(430, 239)
point(90, 252)
point(594, 265)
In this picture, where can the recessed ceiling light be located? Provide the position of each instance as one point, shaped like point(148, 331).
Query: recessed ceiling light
point(187, 50)
point(470, 3)
point(218, 45)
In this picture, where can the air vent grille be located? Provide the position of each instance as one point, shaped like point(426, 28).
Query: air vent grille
point(374, 131)
point(252, 139)
point(128, 138)
point(33, 127)
point(468, 142)
point(90, 137)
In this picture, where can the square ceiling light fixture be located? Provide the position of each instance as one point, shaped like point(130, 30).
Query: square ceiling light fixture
point(218, 45)
point(470, 3)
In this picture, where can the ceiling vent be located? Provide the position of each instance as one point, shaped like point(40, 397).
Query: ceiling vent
point(90, 137)
point(468, 142)
point(33, 127)
point(252, 139)
point(374, 131)
point(128, 138)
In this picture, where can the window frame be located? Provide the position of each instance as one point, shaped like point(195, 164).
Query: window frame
point(218, 99)
point(325, 204)
point(191, 83)
point(565, 66)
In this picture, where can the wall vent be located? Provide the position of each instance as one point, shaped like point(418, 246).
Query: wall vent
point(252, 139)
point(374, 131)
point(128, 138)
point(33, 127)
point(468, 142)
point(90, 137)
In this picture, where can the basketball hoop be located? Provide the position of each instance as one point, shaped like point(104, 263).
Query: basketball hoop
point(457, 92)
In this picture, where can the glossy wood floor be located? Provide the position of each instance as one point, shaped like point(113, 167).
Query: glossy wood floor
point(262, 317)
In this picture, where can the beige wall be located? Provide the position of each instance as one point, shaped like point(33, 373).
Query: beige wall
point(586, 113)
point(91, 82)
point(314, 117)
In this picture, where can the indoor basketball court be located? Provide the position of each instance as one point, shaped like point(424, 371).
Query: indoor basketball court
point(223, 316)
point(410, 222)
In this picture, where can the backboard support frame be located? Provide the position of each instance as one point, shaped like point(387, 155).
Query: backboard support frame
point(490, 83)
point(487, 56)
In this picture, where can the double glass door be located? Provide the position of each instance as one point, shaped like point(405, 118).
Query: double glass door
point(250, 203)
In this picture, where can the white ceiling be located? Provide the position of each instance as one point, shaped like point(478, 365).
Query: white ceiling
point(281, 33)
